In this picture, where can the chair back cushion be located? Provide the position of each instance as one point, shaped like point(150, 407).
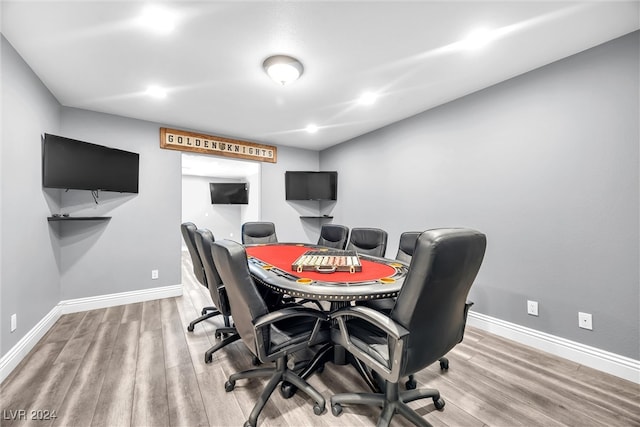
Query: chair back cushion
point(407, 245)
point(370, 241)
point(245, 300)
point(204, 240)
point(333, 236)
point(188, 230)
point(432, 301)
point(258, 232)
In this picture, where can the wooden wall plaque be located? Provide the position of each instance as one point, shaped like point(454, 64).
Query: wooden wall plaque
point(174, 139)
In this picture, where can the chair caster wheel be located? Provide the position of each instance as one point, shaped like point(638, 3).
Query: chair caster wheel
point(204, 311)
point(255, 361)
point(320, 369)
point(287, 390)
point(336, 409)
point(190, 328)
point(439, 403)
point(248, 424)
point(218, 335)
point(411, 384)
point(317, 409)
point(208, 358)
point(444, 364)
point(229, 386)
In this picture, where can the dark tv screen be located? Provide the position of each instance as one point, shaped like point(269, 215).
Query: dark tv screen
point(229, 193)
point(71, 164)
point(305, 185)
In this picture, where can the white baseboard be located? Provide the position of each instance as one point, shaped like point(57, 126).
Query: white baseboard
point(112, 300)
point(14, 356)
point(611, 363)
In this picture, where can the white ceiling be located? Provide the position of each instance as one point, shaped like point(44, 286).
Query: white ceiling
point(94, 55)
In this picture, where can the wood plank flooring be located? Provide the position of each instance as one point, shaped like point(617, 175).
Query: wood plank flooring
point(136, 365)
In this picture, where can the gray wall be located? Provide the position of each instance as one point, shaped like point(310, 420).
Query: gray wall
point(546, 164)
point(286, 214)
point(226, 220)
point(29, 278)
point(143, 233)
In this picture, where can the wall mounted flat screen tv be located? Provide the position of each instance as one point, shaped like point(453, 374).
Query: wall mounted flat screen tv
point(229, 193)
point(71, 164)
point(305, 185)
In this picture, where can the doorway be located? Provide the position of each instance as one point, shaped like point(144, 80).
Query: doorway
point(224, 220)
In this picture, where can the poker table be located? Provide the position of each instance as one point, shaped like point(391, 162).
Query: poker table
point(271, 265)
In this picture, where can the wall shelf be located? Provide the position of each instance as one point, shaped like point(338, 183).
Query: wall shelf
point(78, 218)
point(317, 217)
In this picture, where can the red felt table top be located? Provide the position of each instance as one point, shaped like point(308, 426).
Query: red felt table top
point(283, 255)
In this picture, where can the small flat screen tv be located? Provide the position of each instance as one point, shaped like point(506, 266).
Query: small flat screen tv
point(71, 164)
point(229, 193)
point(306, 185)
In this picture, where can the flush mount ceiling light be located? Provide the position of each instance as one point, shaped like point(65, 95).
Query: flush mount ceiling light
point(282, 68)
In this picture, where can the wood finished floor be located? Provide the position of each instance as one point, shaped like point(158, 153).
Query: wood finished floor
point(136, 365)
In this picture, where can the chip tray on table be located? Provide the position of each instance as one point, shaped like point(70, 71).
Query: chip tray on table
point(327, 261)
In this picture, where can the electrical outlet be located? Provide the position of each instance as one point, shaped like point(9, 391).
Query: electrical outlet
point(585, 321)
point(154, 274)
point(532, 308)
point(14, 322)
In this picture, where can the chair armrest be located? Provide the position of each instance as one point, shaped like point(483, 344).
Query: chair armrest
point(264, 322)
point(396, 337)
point(287, 313)
point(375, 317)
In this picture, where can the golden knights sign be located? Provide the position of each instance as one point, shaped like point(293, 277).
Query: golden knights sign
point(174, 139)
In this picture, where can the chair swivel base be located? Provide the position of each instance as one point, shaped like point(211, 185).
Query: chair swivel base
point(207, 314)
point(205, 310)
point(227, 330)
point(208, 355)
point(278, 373)
point(411, 382)
point(392, 401)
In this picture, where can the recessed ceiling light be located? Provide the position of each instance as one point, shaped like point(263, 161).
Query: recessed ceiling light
point(477, 39)
point(367, 98)
point(282, 68)
point(157, 19)
point(311, 128)
point(156, 92)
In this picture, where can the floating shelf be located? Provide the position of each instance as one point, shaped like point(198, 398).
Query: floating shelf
point(78, 218)
point(317, 217)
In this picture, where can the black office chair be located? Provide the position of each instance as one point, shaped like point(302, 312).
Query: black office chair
point(370, 241)
point(427, 321)
point(406, 247)
point(258, 232)
point(204, 239)
point(333, 236)
point(270, 335)
point(188, 230)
